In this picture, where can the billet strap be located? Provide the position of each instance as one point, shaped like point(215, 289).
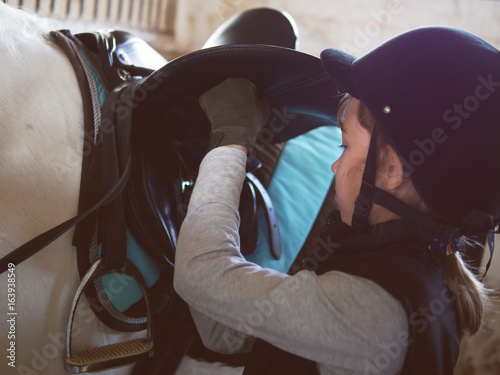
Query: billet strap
point(117, 112)
point(91, 175)
point(33, 246)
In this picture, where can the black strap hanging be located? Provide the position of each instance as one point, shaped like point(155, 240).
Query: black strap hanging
point(38, 243)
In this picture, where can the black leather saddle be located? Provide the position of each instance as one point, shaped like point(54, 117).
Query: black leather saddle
point(170, 133)
point(169, 130)
point(159, 134)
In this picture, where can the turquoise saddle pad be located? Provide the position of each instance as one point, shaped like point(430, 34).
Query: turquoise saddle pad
point(297, 189)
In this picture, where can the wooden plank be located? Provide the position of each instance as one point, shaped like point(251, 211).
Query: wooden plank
point(152, 15)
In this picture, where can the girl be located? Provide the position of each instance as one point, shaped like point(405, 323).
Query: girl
point(420, 127)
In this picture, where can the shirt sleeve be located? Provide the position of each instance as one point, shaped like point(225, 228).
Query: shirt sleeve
point(339, 320)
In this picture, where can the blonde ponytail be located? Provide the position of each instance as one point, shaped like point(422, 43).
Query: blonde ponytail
point(469, 296)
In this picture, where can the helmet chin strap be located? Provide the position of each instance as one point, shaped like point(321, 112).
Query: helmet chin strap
point(369, 194)
point(364, 201)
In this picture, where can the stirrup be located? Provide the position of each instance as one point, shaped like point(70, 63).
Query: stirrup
point(109, 356)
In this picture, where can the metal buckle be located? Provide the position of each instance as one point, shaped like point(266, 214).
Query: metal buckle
point(109, 356)
point(124, 75)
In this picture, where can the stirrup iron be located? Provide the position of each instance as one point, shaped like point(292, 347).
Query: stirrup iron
point(109, 356)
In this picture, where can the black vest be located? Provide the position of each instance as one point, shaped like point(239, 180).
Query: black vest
point(397, 258)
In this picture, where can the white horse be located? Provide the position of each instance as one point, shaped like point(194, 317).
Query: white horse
point(41, 138)
point(41, 127)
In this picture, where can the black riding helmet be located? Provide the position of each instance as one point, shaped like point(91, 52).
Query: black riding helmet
point(435, 94)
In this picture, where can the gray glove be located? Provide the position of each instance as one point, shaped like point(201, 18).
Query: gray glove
point(235, 112)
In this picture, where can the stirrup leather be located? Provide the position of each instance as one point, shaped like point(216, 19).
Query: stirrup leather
point(109, 356)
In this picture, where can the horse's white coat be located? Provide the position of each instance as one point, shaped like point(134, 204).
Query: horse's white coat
point(41, 140)
point(41, 136)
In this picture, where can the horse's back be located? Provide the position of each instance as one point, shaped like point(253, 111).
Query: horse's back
point(41, 127)
point(41, 145)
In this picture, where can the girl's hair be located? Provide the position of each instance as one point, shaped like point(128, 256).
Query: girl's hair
point(468, 294)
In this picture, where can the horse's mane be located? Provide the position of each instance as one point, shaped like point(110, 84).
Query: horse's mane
point(28, 26)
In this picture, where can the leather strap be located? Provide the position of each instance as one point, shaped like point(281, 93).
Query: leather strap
point(272, 221)
point(91, 175)
point(33, 246)
point(116, 111)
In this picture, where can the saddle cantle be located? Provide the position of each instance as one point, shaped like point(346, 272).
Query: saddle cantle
point(257, 26)
point(119, 56)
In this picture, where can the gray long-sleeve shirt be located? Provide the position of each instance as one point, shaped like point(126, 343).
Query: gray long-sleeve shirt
point(347, 324)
